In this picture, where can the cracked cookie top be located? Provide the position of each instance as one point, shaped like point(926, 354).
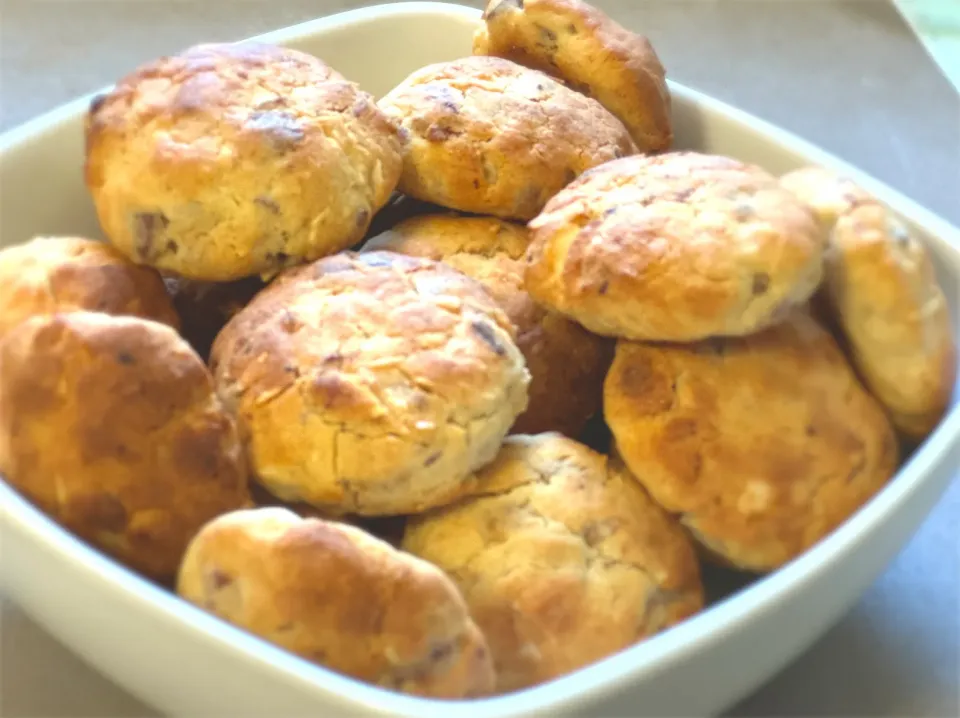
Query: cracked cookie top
point(674, 247)
point(111, 426)
point(762, 445)
point(230, 160)
point(371, 383)
point(337, 596)
point(488, 136)
point(58, 274)
point(562, 557)
point(588, 51)
point(566, 362)
point(881, 289)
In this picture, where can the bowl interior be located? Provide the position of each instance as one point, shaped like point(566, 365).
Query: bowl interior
point(42, 190)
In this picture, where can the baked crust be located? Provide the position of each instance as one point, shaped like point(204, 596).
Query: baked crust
point(47, 275)
point(882, 291)
point(762, 444)
point(387, 618)
point(111, 426)
point(566, 362)
point(674, 247)
point(591, 53)
point(371, 383)
point(488, 136)
point(562, 558)
point(230, 160)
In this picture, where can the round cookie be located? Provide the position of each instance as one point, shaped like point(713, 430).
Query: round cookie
point(371, 384)
point(111, 426)
point(488, 136)
point(674, 247)
point(590, 52)
point(762, 444)
point(882, 291)
point(47, 275)
point(388, 618)
point(562, 558)
point(230, 160)
point(205, 307)
point(566, 363)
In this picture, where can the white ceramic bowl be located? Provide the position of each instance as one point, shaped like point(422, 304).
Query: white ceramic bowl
point(186, 662)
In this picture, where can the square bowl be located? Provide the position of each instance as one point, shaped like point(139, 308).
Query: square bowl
point(186, 662)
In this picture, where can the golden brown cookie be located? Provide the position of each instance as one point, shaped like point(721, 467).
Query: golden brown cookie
point(881, 289)
point(371, 384)
point(590, 52)
point(341, 598)
point(205, 307)
point(62, 274)
point(566, 363)
point(112, 427)
point(562, 557)
point(488, 136)
point(762, 445)
point(674, 247)
point(230, 160)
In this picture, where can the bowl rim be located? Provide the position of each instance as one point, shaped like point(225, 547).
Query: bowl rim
point(614, 673)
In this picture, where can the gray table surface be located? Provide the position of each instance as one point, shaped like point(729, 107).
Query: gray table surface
point(849, 76)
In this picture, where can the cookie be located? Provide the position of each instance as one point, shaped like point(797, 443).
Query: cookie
point(566, 363)
point(111, 426)
point(487, 136)
point(674, 247)
point(388, 618)
point(205, 307)
point(371, 384)
point(47, 275)
point(591, 53)
point(562, 558)
point(761, 444)
point(230, 160)
point(881, 290)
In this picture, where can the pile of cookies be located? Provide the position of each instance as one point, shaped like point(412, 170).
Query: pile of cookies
point(332, 375)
